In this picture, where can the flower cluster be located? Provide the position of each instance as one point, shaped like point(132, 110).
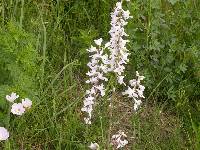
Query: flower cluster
point(98, 67)
point(119, 140)
point(101, 63)
point(18, 108)
point(135, 90)
point(117, 44)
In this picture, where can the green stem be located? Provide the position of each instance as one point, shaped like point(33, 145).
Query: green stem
point(43, 48)
point(22, 13)
point(7, 125)
point(8, 117)
point(3, 12)
point(112, 86)
point(148, 26)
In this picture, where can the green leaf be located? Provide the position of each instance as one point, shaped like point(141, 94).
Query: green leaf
point(173, 1)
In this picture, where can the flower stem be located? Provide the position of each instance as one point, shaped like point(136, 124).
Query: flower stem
point(7, 125)
point(8, 117)
point(110, 108)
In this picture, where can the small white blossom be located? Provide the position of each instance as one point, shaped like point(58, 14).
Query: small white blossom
point(92, 49)
point(94, 146)
point(119, 5)
point(27, 103)
point(133, 82)
point(126, 14)
point(120, 80)
point(98, 42)
point(4, 134)
point(135, 90)
point(101, 89)
point(12, 97)
point(137, 104)
point(87, 120)
point(130, 92)
point(17, 109)
point(119, 140)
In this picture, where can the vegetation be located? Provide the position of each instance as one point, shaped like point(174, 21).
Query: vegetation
point(43, 56)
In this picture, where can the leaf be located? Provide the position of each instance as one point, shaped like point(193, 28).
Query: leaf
point(173, 1)
point(183, 68)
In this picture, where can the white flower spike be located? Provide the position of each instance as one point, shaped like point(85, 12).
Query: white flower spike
point(117, 44)
point(11, 98)
point(4, 134)
point(17, 109)
point(98, 68)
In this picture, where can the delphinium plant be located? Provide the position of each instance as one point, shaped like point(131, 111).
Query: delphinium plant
point(108, 63)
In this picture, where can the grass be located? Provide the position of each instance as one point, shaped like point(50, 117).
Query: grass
point(159, 129)
point(153, 127)
point(62, 30)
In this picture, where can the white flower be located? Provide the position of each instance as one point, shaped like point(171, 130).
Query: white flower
point(94, 146)
point(98, 42)
point(107, 44)
point(133, 82)
point(91, 91)
point(87, 120)
point(101, 89)
point(88, 109)
point(130, 92)
point(118, 140)
point(12, 97)
point(119, 5)
point(92, 49)
point(4, 134)
point(27, 103)
point(17, 109)
point(120, 80)
point(126, 14)
point(137, 104)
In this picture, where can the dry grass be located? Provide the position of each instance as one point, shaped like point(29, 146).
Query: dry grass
point(151, 127)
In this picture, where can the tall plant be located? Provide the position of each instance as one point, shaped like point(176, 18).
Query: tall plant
point(108, 64)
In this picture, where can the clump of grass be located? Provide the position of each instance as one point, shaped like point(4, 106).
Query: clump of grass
point(155, 127)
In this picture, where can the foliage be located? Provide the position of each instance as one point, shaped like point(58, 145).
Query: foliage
point(18, 64)
point(165, 44)
point(165, 39)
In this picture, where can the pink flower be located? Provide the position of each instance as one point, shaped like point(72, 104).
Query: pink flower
point(27, 103)
point(4, 134)
point(17, 109)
